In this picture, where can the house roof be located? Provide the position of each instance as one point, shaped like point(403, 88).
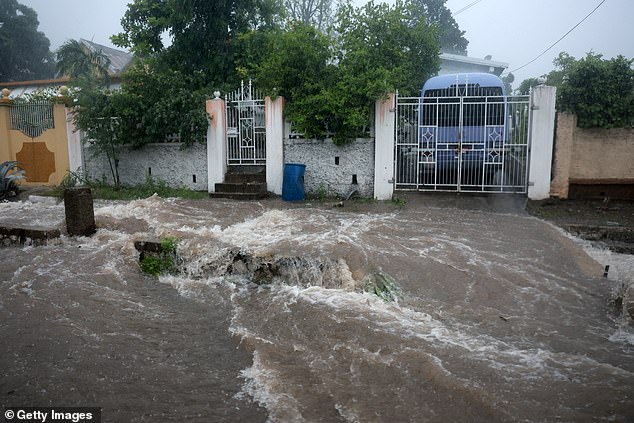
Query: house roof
point(119, 59)
point(473, 60)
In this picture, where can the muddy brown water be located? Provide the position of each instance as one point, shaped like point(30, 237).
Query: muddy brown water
point(500, 317)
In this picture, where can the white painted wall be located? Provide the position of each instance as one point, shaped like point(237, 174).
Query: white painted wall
point(384, 149)
point(274, 110)
point(542, 133)
point(173, 163)
point(330, 167)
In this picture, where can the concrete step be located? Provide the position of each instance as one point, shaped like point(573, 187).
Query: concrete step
point(242, 178)
point(245, 174)
point(245, 187)
point(244, 196)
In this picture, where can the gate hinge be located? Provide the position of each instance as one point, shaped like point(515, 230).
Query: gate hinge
point(393, 109)
point(533, 107)
point(390, 181)
point(531, 184)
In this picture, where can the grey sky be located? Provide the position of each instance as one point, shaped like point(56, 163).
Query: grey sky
point(512, 31)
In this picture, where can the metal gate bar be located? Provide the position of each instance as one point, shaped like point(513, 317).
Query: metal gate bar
point(246, 131)
point(476, 144)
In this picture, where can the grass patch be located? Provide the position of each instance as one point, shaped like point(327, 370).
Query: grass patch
point(162, 263)
point(103, 191)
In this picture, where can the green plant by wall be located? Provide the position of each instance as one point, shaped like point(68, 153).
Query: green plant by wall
point(384, 286)
point(162, 263)
point(599, 91)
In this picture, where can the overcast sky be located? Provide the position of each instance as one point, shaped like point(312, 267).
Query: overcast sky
point(512, 31)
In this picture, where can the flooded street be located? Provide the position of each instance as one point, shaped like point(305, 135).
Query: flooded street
point(498, 317)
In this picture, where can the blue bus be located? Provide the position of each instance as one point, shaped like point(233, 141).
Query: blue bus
point(465, 125)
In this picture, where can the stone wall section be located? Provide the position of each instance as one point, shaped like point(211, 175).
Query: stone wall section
point(173, 163)
point(330, 168)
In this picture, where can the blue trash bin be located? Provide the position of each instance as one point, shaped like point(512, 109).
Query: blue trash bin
point(293, 185)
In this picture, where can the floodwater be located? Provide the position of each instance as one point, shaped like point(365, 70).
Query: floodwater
point(499, 317)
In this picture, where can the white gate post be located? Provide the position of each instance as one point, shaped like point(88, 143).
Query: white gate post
point(274, 110)
point(542, 129)
point(384, 148)
point(216, 143)
point(75, 151)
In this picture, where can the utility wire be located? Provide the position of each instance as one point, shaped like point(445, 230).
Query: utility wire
point(557, 42)
point(467, 7)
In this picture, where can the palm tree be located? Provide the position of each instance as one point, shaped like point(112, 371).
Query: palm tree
point(77, 60)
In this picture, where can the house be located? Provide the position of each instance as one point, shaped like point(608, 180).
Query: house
point(119, 61)
point(455, 63)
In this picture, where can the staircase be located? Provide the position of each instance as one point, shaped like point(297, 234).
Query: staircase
point(242, 183)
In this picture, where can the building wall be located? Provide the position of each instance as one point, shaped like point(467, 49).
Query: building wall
point(323, 174)
point(171, 162)
point(594, 156)
point(45, 158)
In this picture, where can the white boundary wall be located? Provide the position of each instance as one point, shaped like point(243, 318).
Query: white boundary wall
point(171, 162)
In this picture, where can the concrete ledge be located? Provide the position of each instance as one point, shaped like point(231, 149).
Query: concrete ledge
point(11, 235)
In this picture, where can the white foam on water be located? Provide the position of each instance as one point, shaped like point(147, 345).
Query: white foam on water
point(266, 387)
point(621, 272)
point(407, 323)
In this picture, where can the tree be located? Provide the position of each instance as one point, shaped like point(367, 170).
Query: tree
point(526, 86)
point(75, 59)
point(563, 63)
point(331, 87)
point(434, 12)
point(316, 13)
point(508, 81)
point(600, 92)
point(24, 50)
point(203, 32)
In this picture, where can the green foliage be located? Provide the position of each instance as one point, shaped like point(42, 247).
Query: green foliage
point(25, 51)
point(75, 59)
point(163, 262)
point(96, 113)
point(600, 92)
point(331, 85)
point(526, 86)
point(150, 187)
point(435, 13)
point(384, 286)
point(157, 102)
point(317, 14)
point(202, 32)
point(508, 81)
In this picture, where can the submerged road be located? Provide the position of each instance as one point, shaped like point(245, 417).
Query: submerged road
point(499, 316)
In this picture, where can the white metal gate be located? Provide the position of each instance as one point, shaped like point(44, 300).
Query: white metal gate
point(246, 131)
point(462, 143)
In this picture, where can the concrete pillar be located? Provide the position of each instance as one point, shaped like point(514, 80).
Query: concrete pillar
point(384, 148)
point(542, 129)
point(75, 151)
point(80, 215)
point(5, 144)
point(564, 142)
point(216, 143)
point(274, 110)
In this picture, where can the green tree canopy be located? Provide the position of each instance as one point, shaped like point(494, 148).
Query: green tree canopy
point(599, 91)
point(24, 51)
point(526, 85)
point(451, 38)
point(202, 32)
point(75, 59)
point(331, 85)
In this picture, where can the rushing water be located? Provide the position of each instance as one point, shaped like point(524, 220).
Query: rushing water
point(499, 317)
